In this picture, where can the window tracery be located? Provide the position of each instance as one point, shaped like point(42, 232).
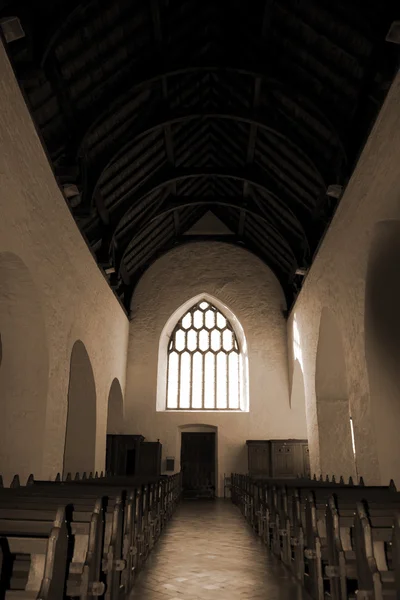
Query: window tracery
point(204, 362)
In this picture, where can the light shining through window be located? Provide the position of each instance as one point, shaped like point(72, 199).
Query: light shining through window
point(204, 362)
point(298, 355)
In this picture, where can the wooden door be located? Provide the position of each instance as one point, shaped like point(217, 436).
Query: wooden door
point(198, 465)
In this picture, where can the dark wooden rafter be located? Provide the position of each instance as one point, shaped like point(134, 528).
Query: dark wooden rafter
point(173, 205)
point(143, 81)
point(253, 119)
point(253, 127)
point(282, 149)
point(167, 204)
point(166, 176)
point(158, 35)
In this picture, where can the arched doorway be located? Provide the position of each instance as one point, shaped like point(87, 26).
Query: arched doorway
point(80, 438)
point(334, 425)
point(24, 371)
point(382, 345)
point(115, 415)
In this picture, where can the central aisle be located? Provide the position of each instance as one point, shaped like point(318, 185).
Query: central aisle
point(209, 552)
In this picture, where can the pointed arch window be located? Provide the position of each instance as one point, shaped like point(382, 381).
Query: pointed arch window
point(204, 362)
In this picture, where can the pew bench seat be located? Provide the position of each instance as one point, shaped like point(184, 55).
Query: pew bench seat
point(33, 554)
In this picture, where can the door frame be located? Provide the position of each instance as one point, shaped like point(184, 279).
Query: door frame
point(200, 429)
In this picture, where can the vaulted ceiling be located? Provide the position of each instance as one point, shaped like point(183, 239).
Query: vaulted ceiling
point(155, 112)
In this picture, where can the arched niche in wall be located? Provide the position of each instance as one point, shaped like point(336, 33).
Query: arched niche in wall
point(80, 437)
point(382, 344)
point(115, 415)
point(24, 371)
point(333, 412)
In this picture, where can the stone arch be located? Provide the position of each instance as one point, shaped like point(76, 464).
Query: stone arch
point(24, 371)
point(382, 344)
point(80, 437)
point(115, 415)
point(333, 409)
point(166, 335)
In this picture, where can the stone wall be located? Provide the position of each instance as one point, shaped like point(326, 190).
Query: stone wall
point(249, 289)
point(52, 294)
point(361, 230)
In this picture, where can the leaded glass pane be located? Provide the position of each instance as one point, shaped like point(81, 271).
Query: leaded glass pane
point(204, 340)
point(233, 380)
point(185, 387)
point(209, 381)
point(221, 321)
point(210, 319)
point(192, 340)
point(197, 382)
point(180, 340)
point(222, 377)
point(187, 321)
point(204, 362)
point(215, 340)
point(198, 319)
point(172, 393)
point(227, 340)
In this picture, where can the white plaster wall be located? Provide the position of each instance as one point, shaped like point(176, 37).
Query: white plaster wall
point(251, 291)
point(337, 280)
point(36, 225)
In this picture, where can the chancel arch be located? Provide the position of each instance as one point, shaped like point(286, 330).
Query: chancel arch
point(333, 410)
point(80, 437)
point(202, 362)
point(382, 344)
point(24, 371)
point(115, 415)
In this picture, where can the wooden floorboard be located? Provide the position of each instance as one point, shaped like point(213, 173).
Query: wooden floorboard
point(209, 552)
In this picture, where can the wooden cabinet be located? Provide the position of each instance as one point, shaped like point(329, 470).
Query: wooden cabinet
point(278, 458)
point(131, 455)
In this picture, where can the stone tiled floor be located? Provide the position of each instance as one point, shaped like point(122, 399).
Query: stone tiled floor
point(209, 552)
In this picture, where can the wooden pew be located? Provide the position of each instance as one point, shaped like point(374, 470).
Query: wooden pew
point(374, 538)
point(318, 517)
point(317, 580)
point(86, 526)
point(126, 526)
point(33, 554)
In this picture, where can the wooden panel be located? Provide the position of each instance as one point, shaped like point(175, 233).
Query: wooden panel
point(259, 458)
point(278, 458)
point(283, 460)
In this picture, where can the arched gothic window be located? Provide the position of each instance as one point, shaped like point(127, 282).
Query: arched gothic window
point(204, 363)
